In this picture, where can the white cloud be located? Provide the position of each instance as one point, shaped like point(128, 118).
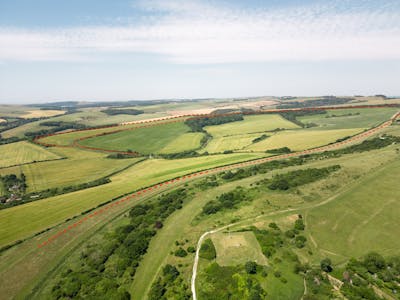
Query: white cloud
point(201, 33)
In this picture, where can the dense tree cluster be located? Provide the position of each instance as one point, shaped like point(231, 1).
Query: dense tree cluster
point(55, 126)
point(106, 266)
point(227, 200)
point(299, 177)
point(197, 124)
point(170, 285)
point(14, 187)
point(327, 100)
point(122, 111)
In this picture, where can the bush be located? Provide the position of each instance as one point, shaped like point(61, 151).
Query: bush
point(180, 252)
point(300, 241)
point(326, 265)
point(250, 267)
point(207, 250)
point(191, 249)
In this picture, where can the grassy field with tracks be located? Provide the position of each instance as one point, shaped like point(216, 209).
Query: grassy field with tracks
point(23, 152)
point(349, 118)
point(365, 217)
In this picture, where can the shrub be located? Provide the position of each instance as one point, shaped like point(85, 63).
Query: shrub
point(180, 252)
point(250, 267)
point(207, 250)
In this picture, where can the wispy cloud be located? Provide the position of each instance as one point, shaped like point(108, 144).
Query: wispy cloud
point(193, 32)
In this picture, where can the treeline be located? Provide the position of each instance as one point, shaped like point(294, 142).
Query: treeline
point(95, 277)
point(293, 115)
point(125, 111)
point(225, 201)
point(197, 124)
point(57, 126)
point(13, 139)
point(260, 138)
point(327, 100)
point(299, 177)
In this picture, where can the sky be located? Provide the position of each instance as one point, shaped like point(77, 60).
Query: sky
point(98, 50)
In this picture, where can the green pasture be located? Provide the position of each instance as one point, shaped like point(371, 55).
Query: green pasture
point(363, 219)
point(302, 139)
point(23, 152)
point(251, 124)
point(24, 220)
point(184, 142)
point(360, 118)
point(237, 248)
point(79, 167)
point(144, 140)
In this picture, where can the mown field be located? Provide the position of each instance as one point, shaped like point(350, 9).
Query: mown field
point(23, 152)
point(24, 220)
point(251, 124)
point(154, 139)
point(78, 167)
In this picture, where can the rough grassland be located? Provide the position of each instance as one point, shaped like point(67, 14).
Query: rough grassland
point(302, 139)
point(187, 141)
point(363, 219)
point(366, 118)
point(143, 140)
point(23, 152)
point(251, 124)
point(24, 220)
point(42, 113)
point(237, 248)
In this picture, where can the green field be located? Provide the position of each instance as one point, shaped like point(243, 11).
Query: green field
point(360, 118)
point(363, 219)
point(154, 139)
point(251, 124)
point(79, 167)
point(302, 139)
point(22, 153)
point(237, 248)
point(24, 220)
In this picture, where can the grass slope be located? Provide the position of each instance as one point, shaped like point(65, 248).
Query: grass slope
point(23, 152)
point(184, 142)
point(363, 219)
point(24, 220)
point(360, 118)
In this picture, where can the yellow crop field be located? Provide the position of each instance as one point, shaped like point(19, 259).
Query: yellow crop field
point(39, 113)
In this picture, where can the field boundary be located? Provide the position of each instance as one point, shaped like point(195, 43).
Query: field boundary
point(156, 122)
